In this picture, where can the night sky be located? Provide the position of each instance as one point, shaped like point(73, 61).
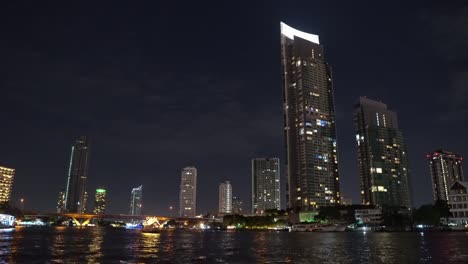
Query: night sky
point(166, 84)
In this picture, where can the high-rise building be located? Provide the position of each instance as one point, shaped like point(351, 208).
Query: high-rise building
point(7, 175)
point(100, 201)
point(75, 200)
point(237, 205)
point(265, 184)
point(382, 155)
point(61, 201)
point(309, 122)
point(225, 198)
point(136, 200)
point(84, 207)
point(446, 169)
point(188, 192)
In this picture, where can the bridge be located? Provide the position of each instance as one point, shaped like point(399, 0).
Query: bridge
point(85, 219)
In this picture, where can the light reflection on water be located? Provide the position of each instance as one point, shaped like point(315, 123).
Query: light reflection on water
point(111, 245)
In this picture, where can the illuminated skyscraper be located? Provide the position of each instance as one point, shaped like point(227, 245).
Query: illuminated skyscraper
point(225, 198)
point(61, 201)
point(136, 200)
point(382, 155)
point(75, 193)
point(7, 175)
point(446, 169)
point(100, 201)
point(265, 184)
point(309, 122)
point(188, 192)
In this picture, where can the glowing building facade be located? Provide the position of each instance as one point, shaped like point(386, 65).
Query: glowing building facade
point(225, 198)
point(100, 201)
point(382, 155)
point(188, 192)
point(446, 169)
point(265, 184)
point(136, 200)
point(75, 192)
point(309, 122)
point(7, 175)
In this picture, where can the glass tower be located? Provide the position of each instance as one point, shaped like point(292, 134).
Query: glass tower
point(188, 192)
point(309, 122)
point(382, 155)
point(136, 200)
point(265, 184)
point(75, 193)
point(446, 169)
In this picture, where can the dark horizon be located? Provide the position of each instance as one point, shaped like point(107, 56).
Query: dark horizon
point(164, 86)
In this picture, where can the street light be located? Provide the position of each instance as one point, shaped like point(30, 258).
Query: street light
point(22, 204)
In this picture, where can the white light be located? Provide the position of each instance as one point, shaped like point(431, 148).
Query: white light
point(290, 32)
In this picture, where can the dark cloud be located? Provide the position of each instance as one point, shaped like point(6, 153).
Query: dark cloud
point(447, 25)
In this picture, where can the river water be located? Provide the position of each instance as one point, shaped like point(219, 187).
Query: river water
point(111, 245)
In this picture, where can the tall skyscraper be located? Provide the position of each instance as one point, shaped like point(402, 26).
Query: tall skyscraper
point(136, 200)
point(382, 155)
point(225, 198)
point(61, 201)
point(446, 169)
point(237, 205)
point(75, 200)
point(7, 175)
point(188, 192)
point(309, 122)
point(100, 201)
point(265, 184)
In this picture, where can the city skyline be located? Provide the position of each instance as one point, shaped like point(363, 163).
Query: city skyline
point(181, 102)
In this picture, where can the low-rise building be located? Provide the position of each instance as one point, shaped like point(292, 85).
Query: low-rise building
point(369, 216)
point(458, 203)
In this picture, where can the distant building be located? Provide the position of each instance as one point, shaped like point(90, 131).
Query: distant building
point(446, 169)
point(225, 198)
point(346, 200)
point(61, 201)
point(84, 207)
point(100, 201)
point(369, 216)
point(188, 192)
point(237, 205)
point(309, 122)
point(136, 200)
point(265, 184)
point(75, 200)
point(458, 202)
point(382, 155)
point(7, 175)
